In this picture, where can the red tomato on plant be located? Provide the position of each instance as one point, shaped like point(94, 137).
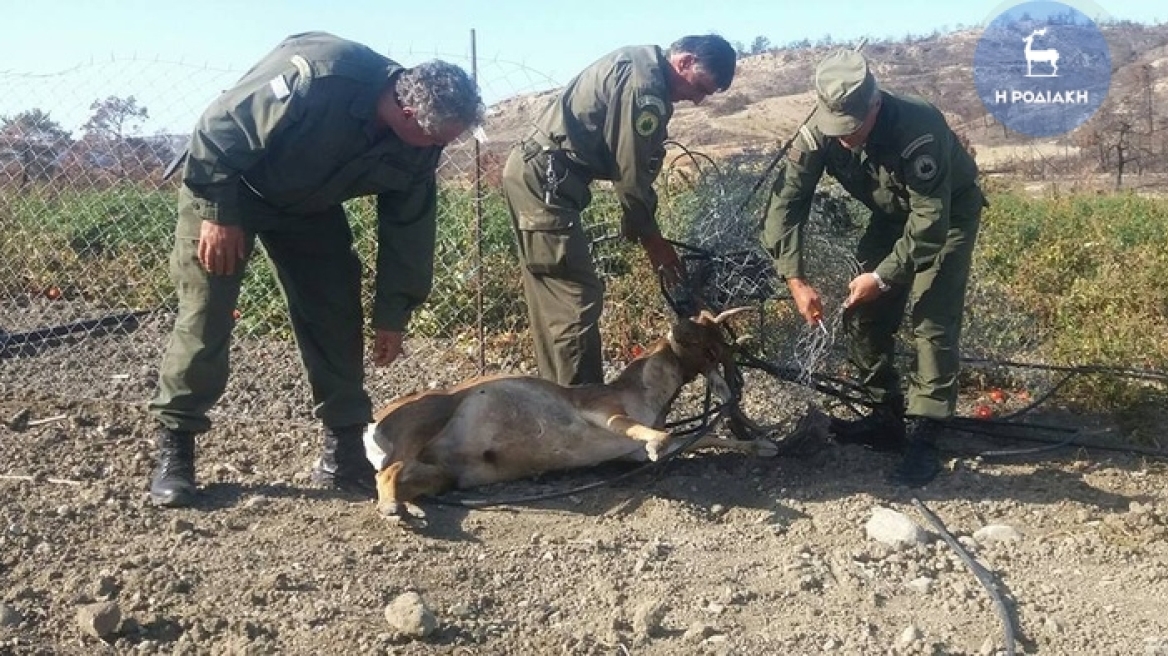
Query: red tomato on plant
point(997, 396)
point(983, 412)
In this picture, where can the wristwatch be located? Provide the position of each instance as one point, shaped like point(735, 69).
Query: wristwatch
point(880, 284)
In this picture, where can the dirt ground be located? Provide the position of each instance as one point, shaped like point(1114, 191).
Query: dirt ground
point(712, 553)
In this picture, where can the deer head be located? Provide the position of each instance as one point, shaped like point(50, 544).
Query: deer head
point(701, 344)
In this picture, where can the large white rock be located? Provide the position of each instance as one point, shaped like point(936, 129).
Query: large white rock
point(894, 529)
point(996, 533)
point(409, 615)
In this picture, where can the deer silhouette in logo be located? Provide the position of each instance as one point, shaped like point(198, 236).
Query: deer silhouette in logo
point(1050, 55)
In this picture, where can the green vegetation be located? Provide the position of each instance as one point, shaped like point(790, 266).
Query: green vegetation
point(1089, 272)
point(1062, 279)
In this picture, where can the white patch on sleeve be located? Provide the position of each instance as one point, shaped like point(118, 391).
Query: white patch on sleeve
point(916, 143)
point(809, 144)
point(280, 87)
point(649, 100)
point(373, 451)
point(303, 66)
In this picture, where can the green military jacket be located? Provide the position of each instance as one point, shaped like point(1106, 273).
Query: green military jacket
point(912, 170)
point(612, 118)
point(298, 131)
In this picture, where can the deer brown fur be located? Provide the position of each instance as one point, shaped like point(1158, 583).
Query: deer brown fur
point(500, 428)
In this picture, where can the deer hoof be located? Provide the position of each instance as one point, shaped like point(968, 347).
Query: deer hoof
point(764, 448)
point(391, 509)
point(653, 449)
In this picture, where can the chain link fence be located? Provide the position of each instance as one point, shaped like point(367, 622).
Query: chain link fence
point(86, 303)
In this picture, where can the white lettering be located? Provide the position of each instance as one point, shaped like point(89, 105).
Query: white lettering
point(1073, 97)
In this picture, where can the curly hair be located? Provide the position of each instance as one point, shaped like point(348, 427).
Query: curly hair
point(443, 95)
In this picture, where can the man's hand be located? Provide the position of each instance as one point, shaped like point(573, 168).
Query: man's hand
point(221, 248)
point(861, 289)
point(387, 346)
point(664, 259)
point(806, 300)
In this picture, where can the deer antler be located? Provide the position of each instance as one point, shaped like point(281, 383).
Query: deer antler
point(726, 314)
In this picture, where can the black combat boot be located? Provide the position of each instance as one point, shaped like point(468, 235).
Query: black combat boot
point(921, 462)
point(173, 482)
point(342, 464)
point(880, 430)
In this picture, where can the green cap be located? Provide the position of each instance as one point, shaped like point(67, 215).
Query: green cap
point(843, 87)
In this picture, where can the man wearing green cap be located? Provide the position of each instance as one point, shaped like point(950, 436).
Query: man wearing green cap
point(319, 120)
point(897, 156)
point(608, 123)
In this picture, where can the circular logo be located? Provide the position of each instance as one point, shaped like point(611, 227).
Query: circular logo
point(1042, 68)
point(647, 123)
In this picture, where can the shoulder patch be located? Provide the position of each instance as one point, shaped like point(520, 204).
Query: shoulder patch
point(924, 167)
point(649, 100)
point(916, 143)
point(280, 87)
point(647, 122)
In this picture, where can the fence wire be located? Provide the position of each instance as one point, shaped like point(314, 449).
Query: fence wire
point(86, 303)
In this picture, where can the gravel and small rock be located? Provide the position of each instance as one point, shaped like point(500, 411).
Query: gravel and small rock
point(714, 553)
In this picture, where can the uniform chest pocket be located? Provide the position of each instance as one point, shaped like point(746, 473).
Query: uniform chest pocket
point(890, 191)
point(385, 177)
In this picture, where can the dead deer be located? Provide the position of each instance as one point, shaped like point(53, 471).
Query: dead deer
point(501, 428)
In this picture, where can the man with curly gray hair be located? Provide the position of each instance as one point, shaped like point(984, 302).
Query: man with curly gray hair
point(316, 122)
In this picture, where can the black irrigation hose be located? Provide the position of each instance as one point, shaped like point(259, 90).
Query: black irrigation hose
point(693, 155)
point(1074, 441)
point(1032, 451)
point(1088, 369)
point(984, 576)
point(840, 389)
point(12, 342)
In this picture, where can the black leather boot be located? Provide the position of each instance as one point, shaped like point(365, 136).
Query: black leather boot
point(880, 430)
point(342, 464)
point(173, 482)
point(921, 462)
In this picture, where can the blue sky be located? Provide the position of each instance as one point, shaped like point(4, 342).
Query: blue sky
point(522, 45)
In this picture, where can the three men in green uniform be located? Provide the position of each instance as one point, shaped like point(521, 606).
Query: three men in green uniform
point(321, 120)
point(609, 123)
point(897, 156)
point(316, 122)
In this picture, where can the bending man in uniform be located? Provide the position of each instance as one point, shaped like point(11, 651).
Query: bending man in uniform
point(898, 156)
point(316, 122)
point(609, 123)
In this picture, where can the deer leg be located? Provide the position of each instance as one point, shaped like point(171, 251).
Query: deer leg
point(760, 447)
point(387, 489)
point(417, 479)
point(402, 482)
point(654, 439)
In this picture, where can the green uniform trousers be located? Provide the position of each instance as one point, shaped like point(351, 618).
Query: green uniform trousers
point(936, 303)
point(565, 296)
point(320, 275)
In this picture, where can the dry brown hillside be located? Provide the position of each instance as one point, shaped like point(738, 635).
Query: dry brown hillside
point(770, 96)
